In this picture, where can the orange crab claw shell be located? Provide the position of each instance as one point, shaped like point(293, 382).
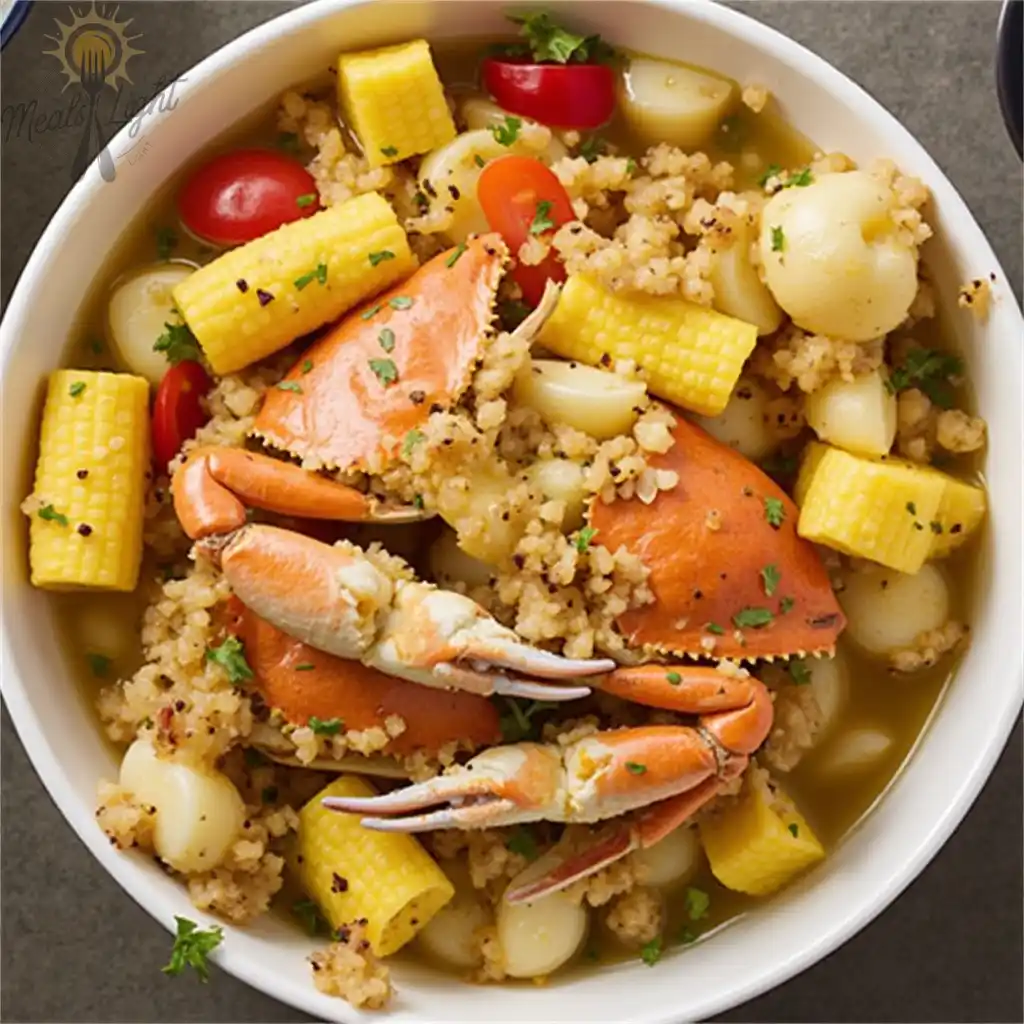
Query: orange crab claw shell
point(302, 682)
point(688, 689)
point(707, 542)
point(744, 730)
point(378, 373)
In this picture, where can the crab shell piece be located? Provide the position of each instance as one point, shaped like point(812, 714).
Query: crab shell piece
point(302, 682)
point(707, 542)
point(427, 332)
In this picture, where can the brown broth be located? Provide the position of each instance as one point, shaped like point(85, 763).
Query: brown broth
point(898, 705)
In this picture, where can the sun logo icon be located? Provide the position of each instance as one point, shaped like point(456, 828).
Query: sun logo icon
point(94, 47)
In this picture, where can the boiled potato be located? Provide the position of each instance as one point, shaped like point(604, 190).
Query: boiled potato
point(742, 423)
point(833, 259)
point(671, 103)
point(561, 480)
point(858, 415)
point(830, 683)
point(138, 311)
point(739, 291)
point(450, 564)
point(199, 813)
point(672, 861)
point(478, 112)
point(450, 935)
point(484, 501)
point(887, 610)
point(598, 402)
point(856, 750)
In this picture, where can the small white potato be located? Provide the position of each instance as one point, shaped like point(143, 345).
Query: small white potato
point(739, 291)
point(742, 424)
point(483, 501)
point(830, 683)
point(478, 112)
point(199, 813)
point(858, 415)
point(450, 564)
point(672, 861)
point(598, 402)
point(856, 750)
point(138, 310)
point(561, 480)
point(671, 103)
point(833, 257)
point(450, 935)
point(538, 938)
point(887, 610)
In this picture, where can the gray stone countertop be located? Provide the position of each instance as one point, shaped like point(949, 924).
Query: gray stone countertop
point(76, 948)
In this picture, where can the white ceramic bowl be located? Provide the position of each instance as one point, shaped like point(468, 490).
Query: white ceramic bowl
point(952, 760)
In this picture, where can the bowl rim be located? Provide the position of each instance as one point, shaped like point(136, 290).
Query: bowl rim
point(780, 967)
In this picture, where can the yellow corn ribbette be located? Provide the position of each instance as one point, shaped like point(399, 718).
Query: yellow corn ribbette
point(87, 505)
point(692, 355)
point(760, 842)
point(394, 101)
point(354, 873)
point(889, 511)
point(260, 297)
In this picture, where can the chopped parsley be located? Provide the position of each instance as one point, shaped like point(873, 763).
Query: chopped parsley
point(307, 200)
point(508, 131)
point(635, 768)
point(371, 312)
point(674, 678)
point(542, 221)
point(630, 166)
point(771, 171)
point(714, 627)
point(305, 666)
point(192, 947)
point(309, 916)
point(778, 239)
point(584, 537)
point(800, 180)
point(698, 902)
point(290, 385)
point(77, 388)
point(324, 727)
point(479, 160)
point(522, 842)
point(384, 370)
point(786, 605)
point(417, 502)
point(177, 343)
point(230, 655)
point(51, 515)
point(389, 150)
point(166, 240)
point(752, 618)
point(380, 257)
point(288, 141)
point(400, 302)
point(517, 723)
point(307, 365)
point(798, 671)
point(794, 829)
point(412, 439)
point(386, 339)
point(319, 274)
point(774, 512)
point(546, 41)
point(770, 577)
point(590, 149)
point(930, 371)
point(456, 255)
point(650, 952)
point(98, 664)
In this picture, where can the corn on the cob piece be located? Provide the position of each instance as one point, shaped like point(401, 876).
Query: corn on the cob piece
point(260, 297)
point(87, 505)
point(889, 511)
point(692, 356)
point(394, 101)
point(386, 878)
point(760, 842)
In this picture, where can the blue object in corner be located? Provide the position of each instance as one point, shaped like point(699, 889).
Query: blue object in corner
point(15, 16)
point(1010, 70)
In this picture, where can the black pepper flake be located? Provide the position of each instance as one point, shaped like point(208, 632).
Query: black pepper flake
point(242, 285)
point(430, 190)
point(505, 516)
point(338, 884)
point(454, 193)
point(344, 933)
point(265, 297)
point(956, 528)
point(698, 594)
point(748, 492)
point(490, 250)
point(605, 360)
point(448, 441)
point(435, 408)
point(918, 526)
point(417, 397)
point(83, 473)
point(179, 705)
point(519, 561)
point(84, 529)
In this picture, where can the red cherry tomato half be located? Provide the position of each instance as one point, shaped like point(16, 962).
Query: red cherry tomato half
point(563, 95)
point(244, 194)
point(177, 410)
point(511, 191)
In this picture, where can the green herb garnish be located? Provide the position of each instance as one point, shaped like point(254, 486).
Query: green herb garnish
point(230, 655)
point(794, 829)
point(590, 149)
point(714, 627)
point(77, 388)
point(307, 200)
point(770, 172)
point(412, 439)
point(798, 671)
point(309, 916)
point(417, 501)
point(479, 160)
point(166, 240)
point(307, 365)
point(698, 903)
point(288, 141)
point(752, 618)
point(456, 255)
point(319, 274)
point(384, 370)
point(513, 313)
point(547, 41)
point(324, 727)
point(584, 537)
point(786, 605)
point(305, 666)
point(634, 768)
point(799, 180)
point(290, 385)
point(522, 842)
point(386, 339)
point(650, 952)
point(778, 239)
point(192, 947)
point(774, 512)
point(541, 221)
point(929, 370)
point(517, 723)
point(400, 302)
point(770, 577)
point(380, 257)
point(371, 312)
point(674, 678)
point(508, 131)
point(268, 794)
point(389, 150)
point(51, 515)
point(177, 343)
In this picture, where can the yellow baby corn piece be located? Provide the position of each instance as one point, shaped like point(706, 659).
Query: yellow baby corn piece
point(758, 843)
point(354, 873)
point(260, 297)
point(960, 513)
point(692, 356)
point(86, 509)
point(394, 101)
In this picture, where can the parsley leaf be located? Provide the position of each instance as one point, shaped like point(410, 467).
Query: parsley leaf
point(650, 952)
point(371, 312)
point(930, 370)
point(754, 618)
point(770, 577)
point(774, 512)
point(324, 727)
point(674, 678)
point(798, 671)
point(386, 339)
point(379, 257)
point(794, 829)
point(517, 723)
point(522, 842)
point(456, 255)
point(230, 655)
point(77, 388)
point(192, 946)
point(309, 916)
point(800, 180)
point(412, 439)
point(400, 302)
point(305, 666)
point(307, 365)
point(319, 274)
point(541, 221)
point(714, 627)
point(479, 160)
point(698, 903)
point(778, 239)
point(550, 42)
point(166, 240)
point(584, 537)
point(389, 150)
point(177, 343)
point(307, 200)
point(384, 370)
point(590, 149)
point(508, 131)
point(770, 172)
point(786, 605)
point(635, 768)
point(51, 515)
point(98, 664)
point(290, 385)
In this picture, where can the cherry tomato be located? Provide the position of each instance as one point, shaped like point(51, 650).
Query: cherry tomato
point(177, 411)
point(519, 196)
point(564, 95)
point(244, 194)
